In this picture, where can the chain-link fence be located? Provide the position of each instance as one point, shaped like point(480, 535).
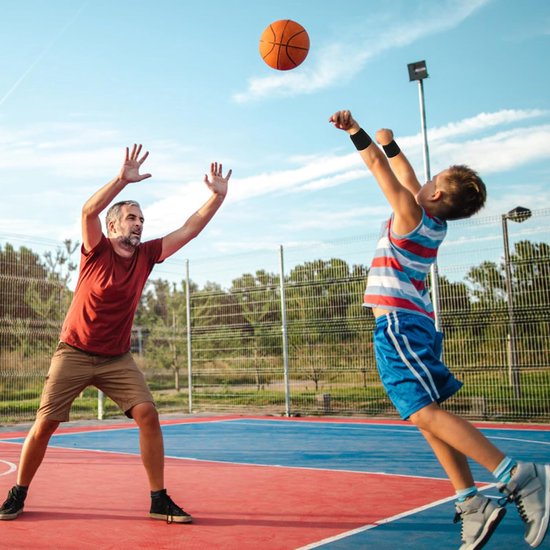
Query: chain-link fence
point(284, 332)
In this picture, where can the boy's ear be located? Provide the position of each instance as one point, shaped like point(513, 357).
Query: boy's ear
point(437, 195)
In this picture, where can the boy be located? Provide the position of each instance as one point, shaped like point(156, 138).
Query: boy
point(408, 347)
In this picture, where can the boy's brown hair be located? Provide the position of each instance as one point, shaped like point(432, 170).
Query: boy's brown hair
point(464, 193)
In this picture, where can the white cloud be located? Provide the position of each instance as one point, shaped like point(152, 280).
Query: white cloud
point(352, 217)
point(492, 143)
point(484, 121)
point(496, 153)
point(499, 152)
point(335, 63)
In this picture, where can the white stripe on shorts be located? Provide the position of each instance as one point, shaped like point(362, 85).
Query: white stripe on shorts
point(394, 320)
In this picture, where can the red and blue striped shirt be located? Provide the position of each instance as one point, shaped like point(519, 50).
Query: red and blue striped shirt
point(400, 267)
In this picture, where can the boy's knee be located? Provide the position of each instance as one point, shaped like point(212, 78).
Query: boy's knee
point(423, 417)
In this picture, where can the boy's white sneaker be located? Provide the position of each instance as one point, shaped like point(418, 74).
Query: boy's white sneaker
point(529, 490)
point(480, 516)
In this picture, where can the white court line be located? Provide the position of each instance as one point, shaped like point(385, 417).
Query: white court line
point(239, 463)
point(520, 440)
point(101, 429)
point(11, 467)
point(383, 521)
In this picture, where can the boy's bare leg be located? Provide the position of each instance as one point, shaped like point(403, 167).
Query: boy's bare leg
point(453, 462)
point(458, 434)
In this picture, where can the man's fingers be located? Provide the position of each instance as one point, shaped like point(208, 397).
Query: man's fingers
point(215, 169)
point(136, 150)
point(145, 155)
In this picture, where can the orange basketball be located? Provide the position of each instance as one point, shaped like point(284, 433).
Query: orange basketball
point(284, 44)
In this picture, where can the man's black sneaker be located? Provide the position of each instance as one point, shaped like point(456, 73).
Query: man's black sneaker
point(163, 507)
point(13, 505)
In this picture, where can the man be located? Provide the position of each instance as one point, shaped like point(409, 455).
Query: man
point(95, 337)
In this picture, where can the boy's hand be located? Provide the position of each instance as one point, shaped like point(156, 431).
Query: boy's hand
point(344, 121)
point(384, 136)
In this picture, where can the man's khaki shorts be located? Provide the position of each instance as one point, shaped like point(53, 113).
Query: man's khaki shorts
point(72, 370)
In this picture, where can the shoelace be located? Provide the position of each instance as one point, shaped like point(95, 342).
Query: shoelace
point(456, 519)
point(171, 507)
point(514, 497)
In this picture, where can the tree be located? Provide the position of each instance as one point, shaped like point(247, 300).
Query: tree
point(322, 297)
point(529, 301)
point(530, 286)
point(162, 310)
point(258, 298)
point(34, 295)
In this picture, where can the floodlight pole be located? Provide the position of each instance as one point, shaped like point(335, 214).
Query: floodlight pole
point(418, 71)
point(518, 214)
point(189, 349)
point(284, 330)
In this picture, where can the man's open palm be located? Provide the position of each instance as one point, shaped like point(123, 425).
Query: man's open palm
point(132, 163)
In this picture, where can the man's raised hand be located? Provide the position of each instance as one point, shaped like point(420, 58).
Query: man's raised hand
point(129, 173)
point(217, 183)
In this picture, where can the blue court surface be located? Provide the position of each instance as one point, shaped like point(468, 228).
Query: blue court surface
point(393, 452)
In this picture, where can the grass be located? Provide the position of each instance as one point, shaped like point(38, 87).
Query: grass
point(485, 396)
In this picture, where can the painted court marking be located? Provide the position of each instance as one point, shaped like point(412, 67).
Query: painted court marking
point(384, 521)
point(11, 467)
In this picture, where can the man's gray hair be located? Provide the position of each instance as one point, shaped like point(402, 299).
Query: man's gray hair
point(114, 211)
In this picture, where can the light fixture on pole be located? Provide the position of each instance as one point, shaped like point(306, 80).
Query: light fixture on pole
point(518, 214)
point(418, 72)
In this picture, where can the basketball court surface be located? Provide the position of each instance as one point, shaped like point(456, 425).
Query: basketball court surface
point(259, 483)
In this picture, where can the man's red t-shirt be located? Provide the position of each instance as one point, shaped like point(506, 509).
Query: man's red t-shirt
point(106, 297)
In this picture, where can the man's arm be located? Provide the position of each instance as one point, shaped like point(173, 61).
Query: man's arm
point(129, 173)
point(407, 213)
point(399, 162)
point(172, 242)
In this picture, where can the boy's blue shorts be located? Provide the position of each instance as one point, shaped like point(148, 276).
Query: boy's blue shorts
point(408, 356)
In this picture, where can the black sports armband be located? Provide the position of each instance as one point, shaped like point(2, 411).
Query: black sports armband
point(361, 140)
point(391, 149)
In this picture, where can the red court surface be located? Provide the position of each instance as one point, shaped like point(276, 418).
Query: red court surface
point(87, 499)
point(82, 499)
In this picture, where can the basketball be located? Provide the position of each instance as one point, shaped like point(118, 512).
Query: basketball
point(284, 44)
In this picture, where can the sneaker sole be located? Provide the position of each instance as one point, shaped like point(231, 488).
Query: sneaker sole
point(544, 524)
point(492, 523)
point(8, 517)
point(172, 519)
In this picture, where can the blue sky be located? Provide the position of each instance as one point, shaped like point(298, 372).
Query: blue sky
point(81, 80)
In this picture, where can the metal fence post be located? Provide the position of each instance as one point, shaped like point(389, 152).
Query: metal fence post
point(100, 405)
point(284, 330)
point(189, 354)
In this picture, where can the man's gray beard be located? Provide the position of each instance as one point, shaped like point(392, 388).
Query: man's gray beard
point(130, 242)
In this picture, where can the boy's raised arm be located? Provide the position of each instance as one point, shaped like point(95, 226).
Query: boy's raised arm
point(407, 213)
point(398, 161)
